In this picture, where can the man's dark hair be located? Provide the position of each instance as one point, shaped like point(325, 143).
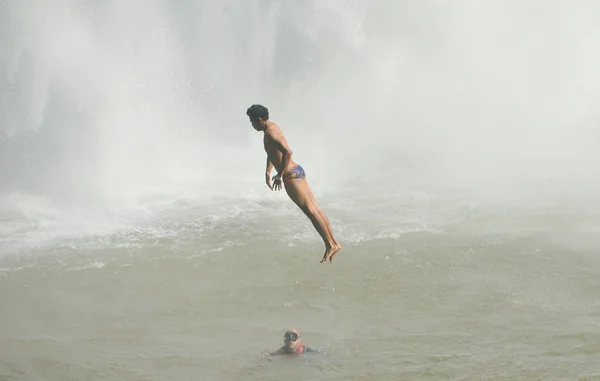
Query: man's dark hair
point(258, 111)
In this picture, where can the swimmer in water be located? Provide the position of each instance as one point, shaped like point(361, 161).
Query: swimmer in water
point(292, 344)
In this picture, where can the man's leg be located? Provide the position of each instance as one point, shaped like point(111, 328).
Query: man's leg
point(328, 225)
point(300, 192)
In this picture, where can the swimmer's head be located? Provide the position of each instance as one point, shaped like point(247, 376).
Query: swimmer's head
point(291, 338)
point(259, 115)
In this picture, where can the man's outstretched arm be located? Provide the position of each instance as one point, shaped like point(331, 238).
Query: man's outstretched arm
point(268, 173)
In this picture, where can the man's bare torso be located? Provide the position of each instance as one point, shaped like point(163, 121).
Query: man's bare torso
point(274, 154)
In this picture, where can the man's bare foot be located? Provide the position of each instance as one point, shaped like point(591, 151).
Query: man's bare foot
point(335, 250)
point(330, 253)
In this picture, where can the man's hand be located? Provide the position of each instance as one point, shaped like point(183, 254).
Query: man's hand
point(268, 178)
point(276, 182)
